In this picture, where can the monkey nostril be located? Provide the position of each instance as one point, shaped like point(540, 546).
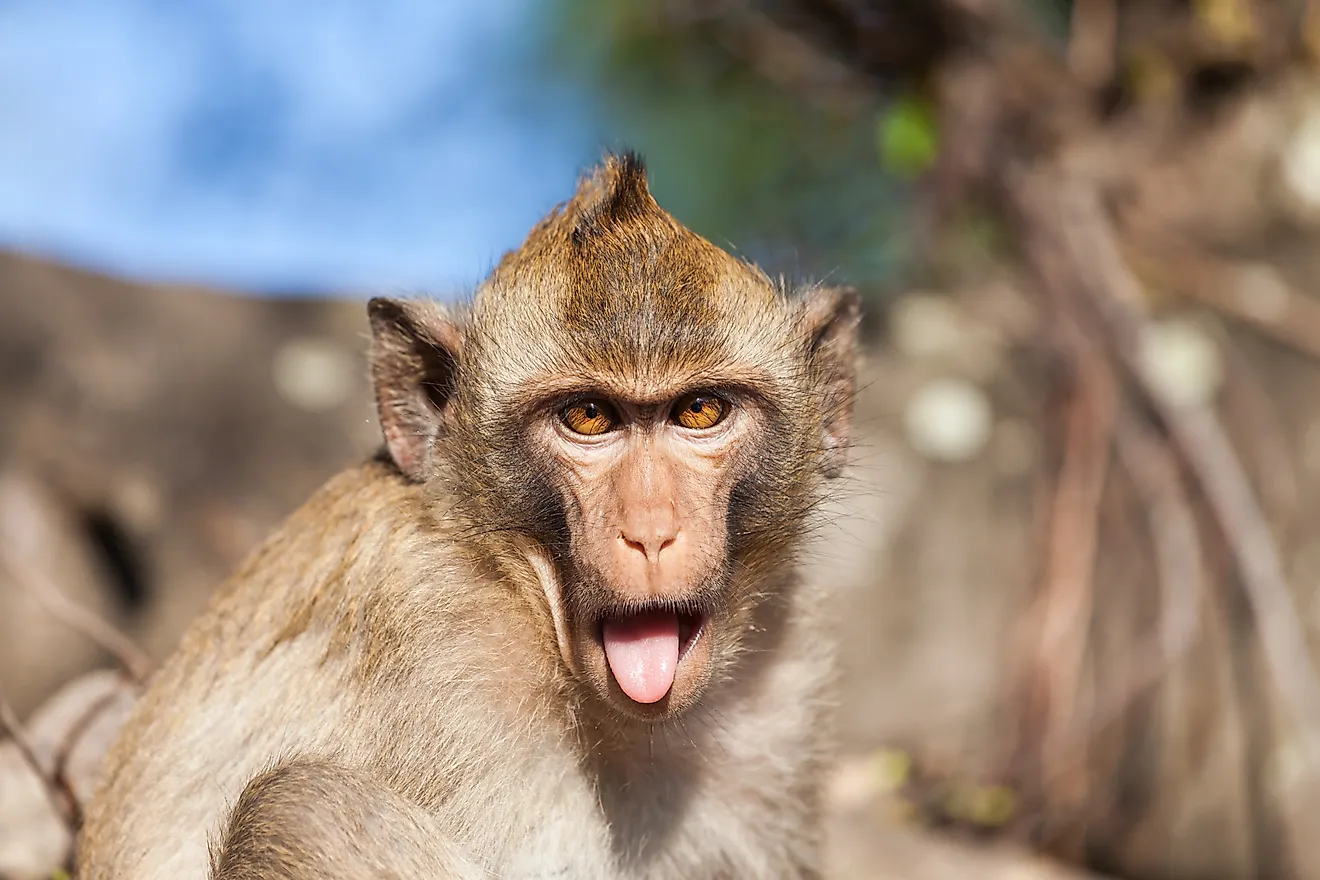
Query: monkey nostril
point(650, 549)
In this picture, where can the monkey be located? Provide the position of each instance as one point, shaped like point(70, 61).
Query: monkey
point(557, 626)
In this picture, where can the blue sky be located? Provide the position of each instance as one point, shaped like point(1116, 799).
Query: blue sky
point(288, 145)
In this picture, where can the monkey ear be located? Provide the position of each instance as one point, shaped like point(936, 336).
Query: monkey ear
point(830, 317)
point(415, 350)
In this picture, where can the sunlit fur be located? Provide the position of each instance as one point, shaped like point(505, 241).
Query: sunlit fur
point(385, 686)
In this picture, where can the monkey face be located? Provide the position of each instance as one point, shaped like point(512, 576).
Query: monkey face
point(657, 502)
point(645, 486)
point(644, 418)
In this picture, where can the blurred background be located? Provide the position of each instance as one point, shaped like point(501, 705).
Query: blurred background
point(1078, 551)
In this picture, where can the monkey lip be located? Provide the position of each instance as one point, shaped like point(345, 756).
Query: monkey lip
point(644, 649)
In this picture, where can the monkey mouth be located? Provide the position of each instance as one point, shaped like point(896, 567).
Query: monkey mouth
point(645, 647)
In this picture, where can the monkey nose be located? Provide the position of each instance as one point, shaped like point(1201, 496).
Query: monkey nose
point(649, 544)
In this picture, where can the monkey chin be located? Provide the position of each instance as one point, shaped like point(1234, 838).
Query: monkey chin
point(691, 670)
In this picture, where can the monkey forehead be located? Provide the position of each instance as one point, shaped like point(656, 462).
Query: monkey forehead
point(647, 371)
point(648, 337)
point(611, 283)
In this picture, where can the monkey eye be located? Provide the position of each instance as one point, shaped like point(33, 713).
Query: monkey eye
point(699, 411)
point(590, 417)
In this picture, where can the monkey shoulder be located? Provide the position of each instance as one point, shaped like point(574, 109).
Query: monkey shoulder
point(274, 670)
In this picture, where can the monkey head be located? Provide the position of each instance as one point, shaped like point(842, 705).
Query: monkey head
point(635, 417)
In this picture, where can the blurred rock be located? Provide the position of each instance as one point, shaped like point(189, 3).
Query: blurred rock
point(1262, 292)
point(948, 420)
point(44, 547)
point(1300, 162)
point(1182, 362)
point(316, 374)
point(936, 329)
point(864, 849)
point(174, 425)
point(924, 325)
point(69, 737)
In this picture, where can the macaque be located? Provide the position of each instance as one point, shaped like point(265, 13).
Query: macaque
point(555, 629)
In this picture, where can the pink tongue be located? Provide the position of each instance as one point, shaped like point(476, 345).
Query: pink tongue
point(642, 652)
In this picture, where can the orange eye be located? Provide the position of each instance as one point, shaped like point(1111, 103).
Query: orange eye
point(590, 417)
point(699, 411)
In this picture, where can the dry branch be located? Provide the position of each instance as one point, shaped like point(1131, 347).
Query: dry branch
point(1067, 592)
point(81, 620)
point(1117, 296)
point(59, 798)
point(1254, 295)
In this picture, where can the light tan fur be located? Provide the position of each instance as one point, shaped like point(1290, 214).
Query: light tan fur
point(406, 680)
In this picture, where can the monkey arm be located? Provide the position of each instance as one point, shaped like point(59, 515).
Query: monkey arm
point(316, 820)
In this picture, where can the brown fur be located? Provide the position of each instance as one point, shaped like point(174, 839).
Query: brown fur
point(401, 682)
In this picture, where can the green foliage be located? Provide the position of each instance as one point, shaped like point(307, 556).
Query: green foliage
point(1052, 16)
point(788, 180)
point(909, 136)
point(804, 182)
